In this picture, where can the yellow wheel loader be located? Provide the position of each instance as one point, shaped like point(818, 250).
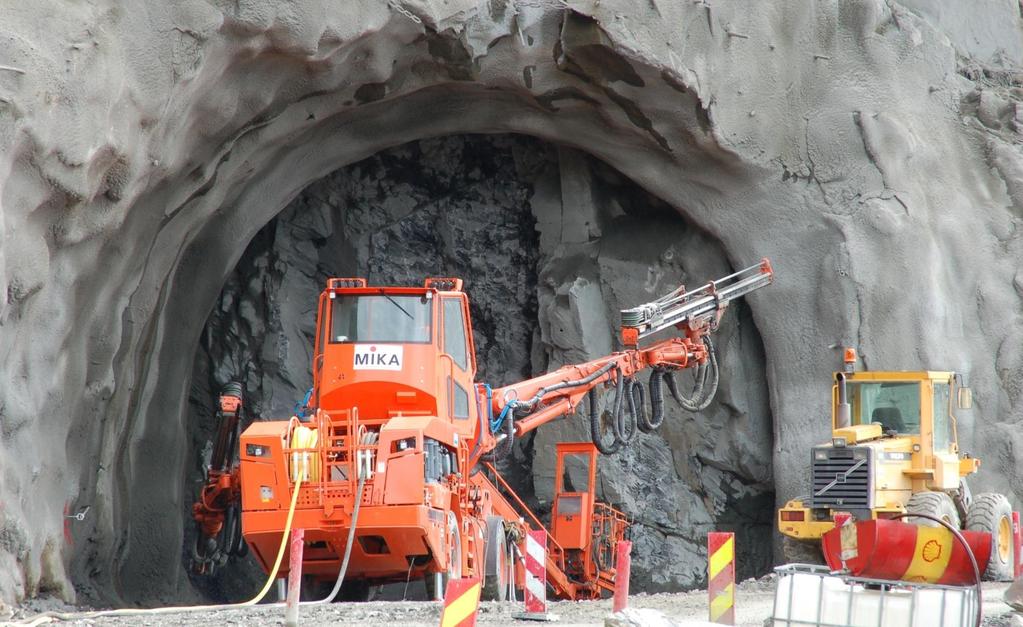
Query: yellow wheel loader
point(894, 449)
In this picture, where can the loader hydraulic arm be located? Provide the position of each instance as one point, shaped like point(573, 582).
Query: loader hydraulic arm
point(519, 408)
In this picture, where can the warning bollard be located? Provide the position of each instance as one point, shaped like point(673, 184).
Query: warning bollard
point(294, 577)
point(535, 590)
point(1017, 544)
point(623, 568)
point(461, 603)
point(721, 577)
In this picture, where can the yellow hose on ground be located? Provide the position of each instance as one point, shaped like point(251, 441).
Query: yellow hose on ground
point(48, 617)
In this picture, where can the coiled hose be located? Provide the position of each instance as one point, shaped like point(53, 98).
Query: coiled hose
point(625, 423)
point(618, 425)
point(701, 395)
point(504, 447)
point(595, 428)
point(698, 400)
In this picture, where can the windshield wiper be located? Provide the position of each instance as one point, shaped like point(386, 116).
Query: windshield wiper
point(403, 310)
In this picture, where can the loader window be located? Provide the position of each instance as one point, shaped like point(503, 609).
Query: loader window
point(894, 404)
point(942, 423)
point(384, 318)
point(454, 332)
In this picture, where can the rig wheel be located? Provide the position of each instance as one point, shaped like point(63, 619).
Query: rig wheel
point(495, 563)
point(991, 513)
point(937, 504)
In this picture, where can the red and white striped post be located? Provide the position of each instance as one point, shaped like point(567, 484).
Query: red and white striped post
point(294, 577)
point(623, 570)
point(535, 590)
point(1017, 544)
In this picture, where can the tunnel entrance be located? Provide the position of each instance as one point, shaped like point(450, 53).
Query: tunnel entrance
point(551, 243)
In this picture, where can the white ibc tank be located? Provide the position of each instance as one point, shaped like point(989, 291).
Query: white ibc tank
point(809, 596)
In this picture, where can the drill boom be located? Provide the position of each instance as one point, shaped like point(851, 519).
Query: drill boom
point(700, 307)
point(537, 401)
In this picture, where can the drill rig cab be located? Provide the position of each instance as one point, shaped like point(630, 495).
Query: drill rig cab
point(894, 449)
point(400, 362)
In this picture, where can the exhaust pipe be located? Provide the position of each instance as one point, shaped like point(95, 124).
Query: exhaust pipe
point(844, 417)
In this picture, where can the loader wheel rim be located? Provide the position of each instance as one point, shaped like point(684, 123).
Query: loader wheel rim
point(1004, 538)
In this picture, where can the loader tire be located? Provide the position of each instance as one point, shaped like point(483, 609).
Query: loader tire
point(991, 513)
point(801, 551)
point(937, 504)
point(495, 561)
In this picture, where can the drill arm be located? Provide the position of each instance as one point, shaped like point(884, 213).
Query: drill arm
point(544, 398)
point(216, 510)
point(526, 405)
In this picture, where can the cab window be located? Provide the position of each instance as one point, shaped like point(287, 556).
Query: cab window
point(461, 404)
point(380, 318)
point(942, 422)
point(893, 404)
point(454, 332)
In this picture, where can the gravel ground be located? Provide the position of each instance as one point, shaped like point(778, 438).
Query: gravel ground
point(754, 604)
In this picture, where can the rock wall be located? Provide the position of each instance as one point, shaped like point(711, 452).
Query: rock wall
point(870, 148)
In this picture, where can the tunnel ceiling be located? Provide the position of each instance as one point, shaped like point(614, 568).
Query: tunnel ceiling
point(869, 149)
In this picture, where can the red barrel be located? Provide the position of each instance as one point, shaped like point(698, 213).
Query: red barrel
point(898, 551)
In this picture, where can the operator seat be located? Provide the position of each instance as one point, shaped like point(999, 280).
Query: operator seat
point(890, 419)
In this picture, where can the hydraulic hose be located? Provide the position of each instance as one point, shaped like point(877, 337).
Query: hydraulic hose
point(606, 449)
point(504, 447)
point(625, 423)
point(530, 405)
point(348, 550)
point(701, 396)
point(595, 418)
point(649, 424)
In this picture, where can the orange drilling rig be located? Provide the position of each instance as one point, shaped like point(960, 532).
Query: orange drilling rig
point(393, 453)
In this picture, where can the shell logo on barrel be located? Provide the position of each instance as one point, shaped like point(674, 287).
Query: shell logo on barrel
point(931, 551)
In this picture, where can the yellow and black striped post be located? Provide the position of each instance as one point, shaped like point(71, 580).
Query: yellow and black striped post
point(721, 577)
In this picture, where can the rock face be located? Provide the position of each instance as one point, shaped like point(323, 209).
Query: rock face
point(870, 149)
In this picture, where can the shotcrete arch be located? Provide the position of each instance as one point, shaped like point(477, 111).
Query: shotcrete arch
point(845, 141)
point(237, 181)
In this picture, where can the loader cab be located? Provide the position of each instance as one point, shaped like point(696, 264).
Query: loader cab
point(918, 405)
point(396, 351)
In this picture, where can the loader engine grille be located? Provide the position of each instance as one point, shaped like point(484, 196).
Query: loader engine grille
point(842, 478)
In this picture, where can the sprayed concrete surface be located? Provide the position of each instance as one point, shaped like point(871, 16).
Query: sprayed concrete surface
point(869, 148)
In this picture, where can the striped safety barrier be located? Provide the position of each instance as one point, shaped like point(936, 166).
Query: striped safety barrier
point(721, 577)
point(1017, 545)
point(535, 591)
point(461, 603)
